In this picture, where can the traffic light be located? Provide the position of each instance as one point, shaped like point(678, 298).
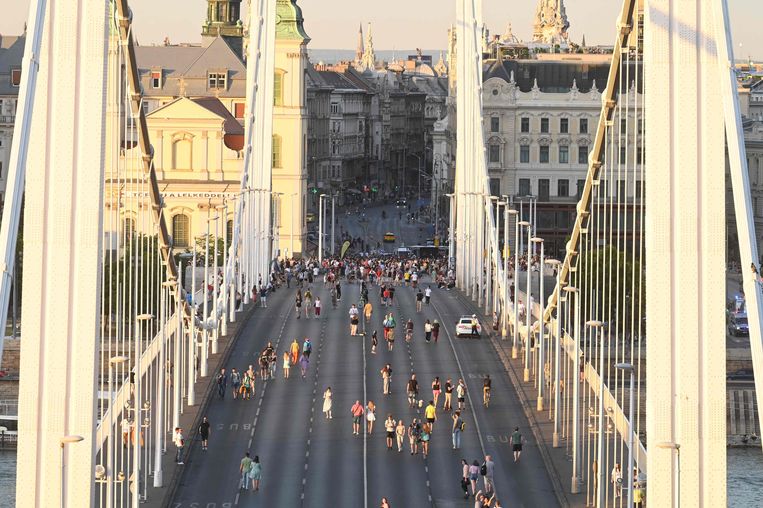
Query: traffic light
point(314, 190)
point(374, 189)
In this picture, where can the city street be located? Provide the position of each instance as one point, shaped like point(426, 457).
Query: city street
point(311, 461)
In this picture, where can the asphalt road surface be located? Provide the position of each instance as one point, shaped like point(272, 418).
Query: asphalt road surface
point(311, 461)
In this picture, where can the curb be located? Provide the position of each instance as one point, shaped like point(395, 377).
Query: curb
point(208, 393)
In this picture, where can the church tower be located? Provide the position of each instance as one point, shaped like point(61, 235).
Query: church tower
point(290, 126)
point(223, 19)
point(368, 59)
point(551, 23)
point(360, 49)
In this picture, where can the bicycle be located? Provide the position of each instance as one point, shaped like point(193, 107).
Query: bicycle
point(486, 396)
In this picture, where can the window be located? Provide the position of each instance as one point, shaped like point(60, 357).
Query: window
point(639, 189)
point(128, 231)
point(544, 154)
point(277, 151)
point(156, 79)
point(564, 125)
point(145, 107)
point(543, 189)
point(544, 125)
point(217, 80)
point(229, 231)
point(584, 126)
point(583, 154)
point(278, 89)
point(15, 77)
point(524, 153)
point(581, 186)
point(239, 110)
point(525, 124)
point(334, 107)
point(495, 124)
point(621, 189)
point(524, 186)
point(639, 155)
point(563, 188)
point(181, 230)
point(623, 155)
point(495, 186)
point(564, 154)
point(623, 125)
point(494, 153)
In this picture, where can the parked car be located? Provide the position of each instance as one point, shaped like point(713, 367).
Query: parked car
point(740, 375)
point(464, 327)
point(738, 324)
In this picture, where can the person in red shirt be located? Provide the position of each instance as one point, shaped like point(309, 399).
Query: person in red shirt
point(357, 414)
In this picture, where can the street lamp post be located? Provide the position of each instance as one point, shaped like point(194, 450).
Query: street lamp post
point(63, 441)
point(113, 362)
point(557, 347)
point(320, 228)
point(599, 334)
point(215, 285)
point(222, 212)
point(517, 222)
point(540, 378)
point(333, 222)
point(451, 228)
point(669, 445)
point(192, 336)
point(574, 487)
point(627, 367)
point(528, 305)
point(160, 386)
point(137, 417)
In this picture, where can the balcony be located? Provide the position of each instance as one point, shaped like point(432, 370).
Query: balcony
point(7, 119)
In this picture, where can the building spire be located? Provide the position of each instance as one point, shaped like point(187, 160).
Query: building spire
point(360, 50)
point(368, 60)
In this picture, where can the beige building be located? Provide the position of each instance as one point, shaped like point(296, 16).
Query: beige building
point(194, 98)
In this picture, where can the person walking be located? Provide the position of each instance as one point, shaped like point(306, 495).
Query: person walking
point(244, 468)
point(427, 294)
point(436, 389)
point(308, 303)
point(400, 435)
point(327, 403)
point(307, 347)
point(370, 416)
point(389, 427)
point(286, 365)
point(426, 435)
point(412, 388)
point(317, 308)
point(204, 430)
point(419, 300)
point(386, 373)
point(413, 437)
point(304, 363)
point(465, 478)
point(298, 303)
point(353, 320)
point(409, 330)
point(435, 330)
point(235, 382)
point(448, 395)
point(516, 444)
point(457, 428)
point(368, 311)
point(294, 352)
point(428, 331)
point(474, 473)
point(179, 441)
point(222, 383)
point(255, 473)
point(374, 342)
point(488, 471)
point(461, 394)
point(357, 414)
point(430, 413)
point(384, 503)
point(616, 478)
point(263, 296)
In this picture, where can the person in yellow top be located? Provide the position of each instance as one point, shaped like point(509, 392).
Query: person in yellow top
point(294, 352)
point(406, 277)
point(368, 309)
point(430, 413)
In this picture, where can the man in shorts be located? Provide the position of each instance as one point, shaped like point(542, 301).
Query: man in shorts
point(357, 415)
point(516, 444)
point(430, 413)
point(413, 390)
point(461, 394)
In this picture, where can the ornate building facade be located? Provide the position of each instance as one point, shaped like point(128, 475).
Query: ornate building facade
point(551, 24)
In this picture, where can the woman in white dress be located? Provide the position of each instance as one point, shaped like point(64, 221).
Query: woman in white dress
point(327, 403)
point(370, 416)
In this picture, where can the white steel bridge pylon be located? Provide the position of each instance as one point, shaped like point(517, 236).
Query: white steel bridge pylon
point(115, 344)
point(644, 243)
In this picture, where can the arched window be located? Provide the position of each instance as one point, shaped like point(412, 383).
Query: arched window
point(182, 152)
point(276, 151)
point(128, 231)
point(229, 230)
point(181, 230)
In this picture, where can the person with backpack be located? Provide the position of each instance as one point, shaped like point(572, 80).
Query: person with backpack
point(235, 382)
point(458, 427)
point(465, 478)
point(412, 388)
point(307, 347)
point(413, 438)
